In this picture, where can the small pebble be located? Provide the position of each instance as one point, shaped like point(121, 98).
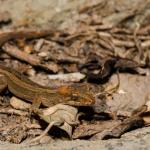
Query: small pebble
point(42, 54)
point(38, 45)
point(31, 72)
point(28, 49)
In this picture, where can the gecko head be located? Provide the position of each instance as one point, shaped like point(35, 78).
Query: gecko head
point(77, 95)
point(80, 99)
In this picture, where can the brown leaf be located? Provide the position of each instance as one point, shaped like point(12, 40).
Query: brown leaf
point(133, 93)
point(88, 130)
point(60, 115)
point(127, 125)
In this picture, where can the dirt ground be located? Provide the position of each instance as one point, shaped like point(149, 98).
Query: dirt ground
point(62, 14)
point(138, 140)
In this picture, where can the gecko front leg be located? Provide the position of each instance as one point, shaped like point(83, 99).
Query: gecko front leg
point(37, 101)
point(3, 83)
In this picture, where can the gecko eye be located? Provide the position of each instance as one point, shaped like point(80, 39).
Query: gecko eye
point(74, 96)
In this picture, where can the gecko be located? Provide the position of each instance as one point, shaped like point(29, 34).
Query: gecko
point(20, 86)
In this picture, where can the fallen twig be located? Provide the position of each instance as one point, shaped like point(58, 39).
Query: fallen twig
point(70, 77)
point(23, 34)
point(29, 58)
point(13, 111)
point(15, 52)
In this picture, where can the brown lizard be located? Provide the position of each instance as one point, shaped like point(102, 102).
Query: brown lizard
point(28, 90)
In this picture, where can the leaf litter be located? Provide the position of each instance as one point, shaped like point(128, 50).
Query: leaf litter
point(101, 45)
